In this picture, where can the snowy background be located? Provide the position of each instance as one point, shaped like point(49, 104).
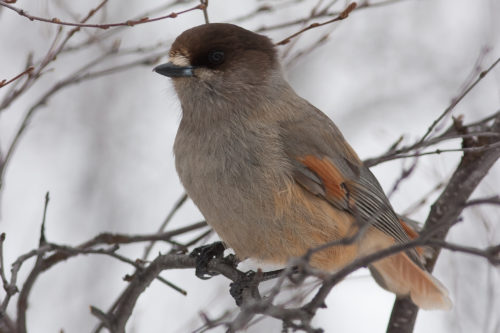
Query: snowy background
point(103, 149)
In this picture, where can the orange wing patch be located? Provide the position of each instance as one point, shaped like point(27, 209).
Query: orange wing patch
point(412, 234)
point(409, 230)
point(330, 176)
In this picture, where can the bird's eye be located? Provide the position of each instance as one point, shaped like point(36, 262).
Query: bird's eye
point(215, 57)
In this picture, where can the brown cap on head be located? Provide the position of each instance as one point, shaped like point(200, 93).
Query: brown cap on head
point(218, 46)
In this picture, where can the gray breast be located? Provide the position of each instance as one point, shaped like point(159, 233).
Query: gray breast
point(230, 169)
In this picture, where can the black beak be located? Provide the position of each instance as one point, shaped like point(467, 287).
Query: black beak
point(171, 70)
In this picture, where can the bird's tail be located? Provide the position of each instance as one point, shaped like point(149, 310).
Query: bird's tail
point(402, 276)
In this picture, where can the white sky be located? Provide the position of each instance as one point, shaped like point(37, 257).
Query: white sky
point(104, 151)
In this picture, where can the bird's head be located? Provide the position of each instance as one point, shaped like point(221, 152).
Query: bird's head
point(220, 59)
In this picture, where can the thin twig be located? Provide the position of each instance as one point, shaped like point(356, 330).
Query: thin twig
point(405, 173)
point(457, 100)
point(2, 267)
point(204, 3)
point(449, 134)
point(493, 200)
point(101, 35)
point(43, 239)
point(50, 56)
point(364, 5)
point(22, 301)
point(441, 151)
point(343, 15)
point(72, 79)
point(71, 251)
point(170, 215)
point(446, 209)
point(3, 83)
point(128, 23)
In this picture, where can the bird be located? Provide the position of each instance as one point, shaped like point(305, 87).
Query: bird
point(271, 173)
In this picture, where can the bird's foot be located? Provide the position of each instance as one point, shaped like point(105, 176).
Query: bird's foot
point(248, 283)
point(245, 282)
point(203, 255)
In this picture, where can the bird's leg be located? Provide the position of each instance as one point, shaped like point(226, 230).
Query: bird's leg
point(271, 274)
point(246, 283)
point(203, 255)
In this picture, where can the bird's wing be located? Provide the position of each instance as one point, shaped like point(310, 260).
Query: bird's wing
point(325, 165)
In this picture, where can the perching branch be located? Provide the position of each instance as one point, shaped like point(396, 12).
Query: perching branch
point(480, 149)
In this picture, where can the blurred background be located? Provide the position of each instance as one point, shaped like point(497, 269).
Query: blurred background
point(103, 147)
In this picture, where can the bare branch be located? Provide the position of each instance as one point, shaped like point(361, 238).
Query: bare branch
point(493, 200)
point(63, 252)
point(204, 4)
point(449, 134)
point(107, 238)
point(128, 23)
point(457, 100)
point(469, 173)
point(101, 35)
point(162, 227)
point(324, 13)
point(343, 15)
point(117, 320)
point(423, 142)
point(72, 79)
point(111, 251)
point(51, 55)
point(3, 83)
point(480, 149)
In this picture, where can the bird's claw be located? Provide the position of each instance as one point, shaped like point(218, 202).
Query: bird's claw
point(203, 255)
point(245, 281)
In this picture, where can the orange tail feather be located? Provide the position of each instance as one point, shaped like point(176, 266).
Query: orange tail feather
point(399, 274)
